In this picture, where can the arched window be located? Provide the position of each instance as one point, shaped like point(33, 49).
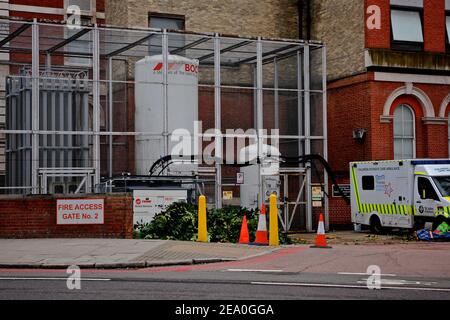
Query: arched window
point(404, 133)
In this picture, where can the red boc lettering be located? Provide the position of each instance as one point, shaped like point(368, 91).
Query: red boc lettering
point(190, 68)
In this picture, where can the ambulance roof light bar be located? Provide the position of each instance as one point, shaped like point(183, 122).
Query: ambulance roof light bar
point(430, 161)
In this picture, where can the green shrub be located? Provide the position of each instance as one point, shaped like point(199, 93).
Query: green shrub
point(224, 225)
point(179, 222)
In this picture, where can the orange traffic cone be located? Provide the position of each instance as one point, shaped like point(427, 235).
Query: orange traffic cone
point(261, 232)
point(321, 240)
point(244, 238)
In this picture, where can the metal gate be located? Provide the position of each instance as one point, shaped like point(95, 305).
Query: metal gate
point(293, 204)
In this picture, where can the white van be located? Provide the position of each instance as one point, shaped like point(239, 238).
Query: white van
point(400, 193)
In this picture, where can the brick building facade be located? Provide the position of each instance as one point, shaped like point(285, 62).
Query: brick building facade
point(264, 18)
point(393, 85)
point(389, 77)
point(372, 70)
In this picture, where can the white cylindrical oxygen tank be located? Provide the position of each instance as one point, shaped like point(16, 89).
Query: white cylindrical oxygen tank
point(182, 101)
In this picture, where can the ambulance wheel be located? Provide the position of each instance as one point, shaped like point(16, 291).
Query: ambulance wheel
point(375, 225)
point(419, 225)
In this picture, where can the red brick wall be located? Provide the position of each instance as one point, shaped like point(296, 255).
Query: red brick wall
point(434, 25)
point(339, 210)
point(35, 217)
point(348, 109)
point(358, 102)
point(379, 38)
point(42, 3)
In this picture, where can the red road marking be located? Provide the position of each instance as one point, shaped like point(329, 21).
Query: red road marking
point(223, 265)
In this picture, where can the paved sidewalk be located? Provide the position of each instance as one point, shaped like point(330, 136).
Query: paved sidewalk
point(117, 253)
point(356, 238)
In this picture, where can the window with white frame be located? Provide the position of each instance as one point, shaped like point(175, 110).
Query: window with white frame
point(82, 46)
point(404, 133)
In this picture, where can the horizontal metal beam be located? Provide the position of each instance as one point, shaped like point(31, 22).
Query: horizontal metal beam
point(235, 46)
point(281, 56)
point(14, 34)
point(130, 46)
point(68, 40)
point(190, 45)
point(268, 53)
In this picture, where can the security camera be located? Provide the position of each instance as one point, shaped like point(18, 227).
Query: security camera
point(359, 134)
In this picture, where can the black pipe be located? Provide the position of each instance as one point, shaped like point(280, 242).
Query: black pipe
point(164, 162)
point(300, 18)
point(308, 19)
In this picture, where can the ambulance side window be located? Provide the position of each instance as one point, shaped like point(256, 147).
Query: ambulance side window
point(368, 183)
point(425, 189)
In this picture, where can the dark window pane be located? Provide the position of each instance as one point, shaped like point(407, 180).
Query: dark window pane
point(448, 28)
point(368, 183)
point(166, 23)
point(425, 189)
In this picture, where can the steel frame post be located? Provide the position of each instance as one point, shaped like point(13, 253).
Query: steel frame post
point(48, 61)
point(325, 132)
point(259, 115)
point(96, 103)
point(35, 108)
point(276, 95)
point(165, 55)
point(110, 116)
point(255, 112)
point(217, 119)
point(286, 201)
point(300, 119)
point(307, 128)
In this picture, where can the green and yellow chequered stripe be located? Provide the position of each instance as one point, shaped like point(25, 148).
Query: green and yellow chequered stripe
point(445, 211)
point(356, 190)
point(402, 209)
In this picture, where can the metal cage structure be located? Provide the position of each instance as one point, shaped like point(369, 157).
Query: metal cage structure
point(70, 115)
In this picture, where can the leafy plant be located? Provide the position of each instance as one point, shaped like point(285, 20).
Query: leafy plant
point(224, 225)
point(179, 222)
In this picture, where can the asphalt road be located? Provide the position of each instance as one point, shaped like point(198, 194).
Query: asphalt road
point(216, 286)
point(290, 274)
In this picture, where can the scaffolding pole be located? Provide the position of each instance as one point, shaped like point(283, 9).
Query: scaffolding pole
point(217, 119)
point(307, 128)
point(35, 108)
point(325, 132)
point(96, 103)
point(110, 116)
point(300, 118)
point(259, 116)
point(277, 96)
point(165, 55)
